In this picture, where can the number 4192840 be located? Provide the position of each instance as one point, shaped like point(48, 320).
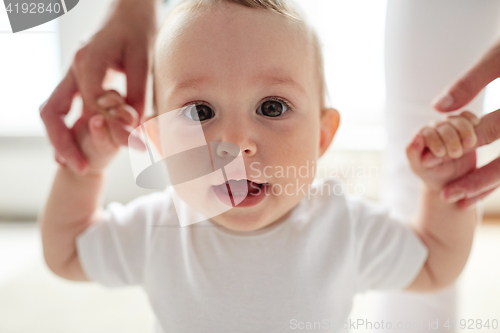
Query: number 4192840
point(472, 324)
point(34, 8)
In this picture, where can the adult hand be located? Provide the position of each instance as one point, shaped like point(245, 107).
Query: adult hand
point(483, 181)
point(124, 44)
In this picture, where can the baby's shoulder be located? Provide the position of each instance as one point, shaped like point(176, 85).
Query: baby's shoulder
point(329, 193)
point(330, 197)
point(147, 208)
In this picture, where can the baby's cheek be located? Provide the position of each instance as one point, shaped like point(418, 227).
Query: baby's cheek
point(292, 179)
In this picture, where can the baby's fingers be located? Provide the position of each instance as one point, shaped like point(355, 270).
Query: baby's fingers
point(110, 99)
point(465, 129)
point(414, 151)
point(99, 133)
point(433, 141)
point(124, 134)
point(451, 139)
point(97, 128)
point(126, 114)
point(122, 119)
point(471, 117)
point(114, 106)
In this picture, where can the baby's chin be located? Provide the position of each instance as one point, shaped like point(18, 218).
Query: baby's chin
point(240, 222)
point(249, 219)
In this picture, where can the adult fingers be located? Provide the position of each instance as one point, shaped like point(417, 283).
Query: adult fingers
point(89, 75)
point(467, 202)
point(466, 87)
point(489, 129)
point(136, 70)
point(474, 183)
point(52, 113)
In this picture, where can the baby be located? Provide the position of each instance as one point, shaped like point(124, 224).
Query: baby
point(279, 260)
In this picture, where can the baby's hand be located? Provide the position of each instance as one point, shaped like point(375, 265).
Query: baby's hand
point(442, 152)
point(95, 138)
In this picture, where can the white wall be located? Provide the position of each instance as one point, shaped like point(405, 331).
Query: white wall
point(27, 167)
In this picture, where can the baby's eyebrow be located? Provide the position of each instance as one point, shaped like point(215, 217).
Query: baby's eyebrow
point(269, 78)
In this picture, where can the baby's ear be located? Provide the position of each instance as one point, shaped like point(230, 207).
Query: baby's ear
point(329, 123)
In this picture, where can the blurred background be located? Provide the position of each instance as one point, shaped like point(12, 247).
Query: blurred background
point(33, 299)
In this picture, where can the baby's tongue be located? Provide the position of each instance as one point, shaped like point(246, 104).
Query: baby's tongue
point(243, 186)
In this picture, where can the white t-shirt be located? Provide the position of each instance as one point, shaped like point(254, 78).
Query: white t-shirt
point(206, 278)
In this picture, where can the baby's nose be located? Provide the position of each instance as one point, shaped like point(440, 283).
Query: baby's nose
point(239, 133)
point(225, 148)
point(229, 149)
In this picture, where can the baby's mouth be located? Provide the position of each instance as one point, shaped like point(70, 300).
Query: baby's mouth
point(241, 193)
point(241, 187)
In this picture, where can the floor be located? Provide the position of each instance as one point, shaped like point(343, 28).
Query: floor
point(33, 299)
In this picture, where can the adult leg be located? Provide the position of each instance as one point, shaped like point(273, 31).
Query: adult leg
point(428, 44)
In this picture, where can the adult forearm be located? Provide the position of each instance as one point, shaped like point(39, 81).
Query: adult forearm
point(70, 209)
point(447, 231)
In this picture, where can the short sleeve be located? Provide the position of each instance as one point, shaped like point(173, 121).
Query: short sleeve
point(113, 251)
point(389, 255)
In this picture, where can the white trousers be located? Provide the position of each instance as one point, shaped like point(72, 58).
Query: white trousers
point(429, 43)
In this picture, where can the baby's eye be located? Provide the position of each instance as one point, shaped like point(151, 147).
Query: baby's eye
point(272, 108)
point(198, 112)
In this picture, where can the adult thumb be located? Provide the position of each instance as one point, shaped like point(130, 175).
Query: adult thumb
point(90, 77)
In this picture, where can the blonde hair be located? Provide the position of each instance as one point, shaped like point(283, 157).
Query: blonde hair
point(282, 7)
point(288, 9)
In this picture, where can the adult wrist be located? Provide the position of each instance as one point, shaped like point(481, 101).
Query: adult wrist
point(140, 9)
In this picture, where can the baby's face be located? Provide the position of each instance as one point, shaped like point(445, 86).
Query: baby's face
point(253, 74)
